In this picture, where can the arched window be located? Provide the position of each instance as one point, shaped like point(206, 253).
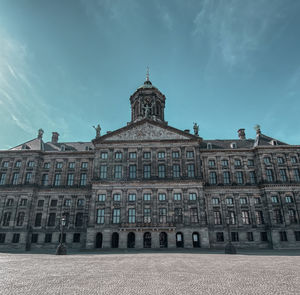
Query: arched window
point(179, 240)
point(196, 240)
point(163, 240)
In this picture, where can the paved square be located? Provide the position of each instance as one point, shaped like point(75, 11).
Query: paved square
point(150, 273)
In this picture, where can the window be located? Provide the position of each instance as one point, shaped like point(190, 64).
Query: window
point(224, 163)
point(280, 160)
point(283, 236)
point(18, 164)
point(292, 216)
point(257, 200)
point(101, 197)
point(23, 202)
point(76, 238)
point(9, 202)
point(80, 202)
point(67, 202)
point(288, 199)
point(100, 216)
point(15, 179)
point(103, 155)
point(264, 236)
point(161, 155)
point(103, 172)
point(57, 179)
point(282, 173)
point(118, 155)
point(5, 164)
point(212, 178)
point(274, 199)
point(297, 175)
point(163, 215)
point(117, 198)
point(147, 171)
point(237, 163)
point(70, 179)
point(51, 219)
point(250, 162)
point(226, 176)
point(270, 177)
point(177, 197)
point(131, 215)
point(71, 165)
point(48, 238)
point(190, 154)
point(178, 215)
point(176, 170)
point(53, 203)
point(209, 146)
point(40, 203)
point(194, 215)
point(211, 163)
point(278, 216)
point(6, 218)
point(118, 171)
point(220, 237)
point(132, 171)
point(2, 178)
point(297, 236)
point(234, 236)
point(267, 160)
point(259, 217)
point(175, 155)
point(147, 155)
point(243, 201)
point(38, 219)
point(131, 197)
point(45, 178)
point(59, 165)
point(252, 177)
point(147, 197)
point(232, 218)
point(79, 219)
point(16, 238)
point(34, 238)
point(147, 215)
point(132, 155)
point(239, 177)
point(30, 164)
point(192, 197)
point(215, 201)
point(229, 201)
point(245, 217)
point(250, 236)
point(83, 179)
point(191, 170)
point(20, 218)
point(217, 217)
point(161, 171)
point(84, 165)
point(293, 160)
point(161, 197)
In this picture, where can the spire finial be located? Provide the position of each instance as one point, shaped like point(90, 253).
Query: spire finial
point(147, 74)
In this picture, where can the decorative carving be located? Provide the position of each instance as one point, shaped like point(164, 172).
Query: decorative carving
point(98, 130)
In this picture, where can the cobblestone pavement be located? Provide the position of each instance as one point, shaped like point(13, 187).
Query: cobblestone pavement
point(149, 273)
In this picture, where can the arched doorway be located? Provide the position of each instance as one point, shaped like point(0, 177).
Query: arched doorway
point(131, 240)
point(179, 240)
point(147, 240)
point(163, 240)
point(115, 240)
point(99, 240)
point(196, 240)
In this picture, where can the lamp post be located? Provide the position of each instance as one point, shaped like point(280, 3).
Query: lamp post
point(62, 249)
point(229, 247)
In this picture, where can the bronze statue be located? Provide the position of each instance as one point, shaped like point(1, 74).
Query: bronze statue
point(98, 129)
point(196, 129)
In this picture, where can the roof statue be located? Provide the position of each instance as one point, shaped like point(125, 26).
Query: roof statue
point(98, 129)
point(40, 133)
point(196, 129)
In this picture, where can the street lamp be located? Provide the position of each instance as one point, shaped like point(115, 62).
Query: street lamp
point(229, 247)
point(62, 249)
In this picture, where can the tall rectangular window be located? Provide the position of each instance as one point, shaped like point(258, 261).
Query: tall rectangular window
point(161, 155)
point(2, 178)
point(252, 177)
point(177, 197)
point(20, 218)
point(147, 215)
point(245, 217)
point(116, 215)
point(296, 175)
point(70, 179)
point(194, 215)
point(38, 219)
point(147, 155)
point(190, 154)
point(226, 176)
point(118, 155)
point(278, 216)
point(15, 178)
point(161, 197)
point(224, 163)
point(100, 216)
point(57, 179)
point(259, 217)
point(283, 236)
point(147, 171)
point(283, 176)
point(117, 198)
point(292, 216)
point(79, 219)
point(239, 177)
point(192, 196)
point(83, 179)
point(161, 171)
point(178, 215)
point(51, 219)
point(176, 170)
point(103, 155)
point(163, 215)
point(131, 215)
point(175, 155)
point(6, 218)
point(101, 197)
point(250, 236)
point(132, 171)
point(28, 177)
point(48, 238)
point(270, 177)
point(212, 178)
point(16, 238)
point(217, 217)
point(103, 172)
point(71, 165)
point(132, 155)
point(45, 178)
point(147, 197)
point(118, 171)
point(131, 197)
point(232, 218)
point(84, 165)
point(234, 236)
point(191, 170)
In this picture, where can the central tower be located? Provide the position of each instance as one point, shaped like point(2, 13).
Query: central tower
point(147, 102)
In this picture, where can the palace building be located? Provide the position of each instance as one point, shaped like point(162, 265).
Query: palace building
point(150, 185)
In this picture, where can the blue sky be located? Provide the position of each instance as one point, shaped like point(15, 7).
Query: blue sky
point(68, 65)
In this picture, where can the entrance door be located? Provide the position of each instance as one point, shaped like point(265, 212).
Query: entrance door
point(99, 240)
point(115, 240)
point(147, 240)
point(179, 240)
point(131, 240)
point(163, 240)
point(196, 240)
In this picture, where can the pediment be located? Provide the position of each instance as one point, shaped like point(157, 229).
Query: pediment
point(147, 131)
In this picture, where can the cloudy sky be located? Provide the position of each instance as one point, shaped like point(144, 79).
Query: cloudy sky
point(66, 65)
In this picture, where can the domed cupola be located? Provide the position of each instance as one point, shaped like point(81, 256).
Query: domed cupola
point(147, 102)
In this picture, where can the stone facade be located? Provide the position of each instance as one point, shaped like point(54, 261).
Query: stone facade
point(149, 185)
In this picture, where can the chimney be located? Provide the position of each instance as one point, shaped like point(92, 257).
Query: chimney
point(241, 133)
point(54, 137)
